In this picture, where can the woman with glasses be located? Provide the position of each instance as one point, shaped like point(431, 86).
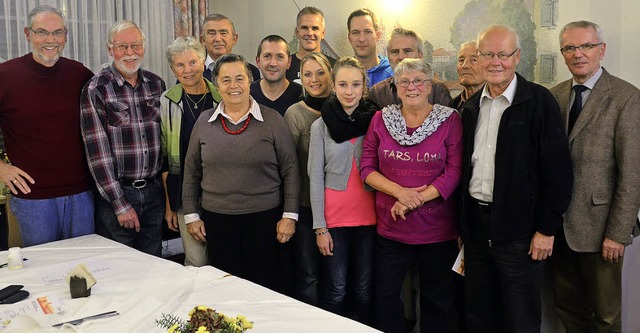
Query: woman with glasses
point(241, 180)
point(412, 155)
point(343, 211)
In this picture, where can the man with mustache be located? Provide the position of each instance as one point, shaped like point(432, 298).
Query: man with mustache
point(218, 37)
point(120, 124)
point(310, 32)
point(48, 174)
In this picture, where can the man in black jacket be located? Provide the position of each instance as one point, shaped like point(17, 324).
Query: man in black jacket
point(516, 185)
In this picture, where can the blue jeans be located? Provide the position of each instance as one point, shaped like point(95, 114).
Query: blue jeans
point(48, 220)
point(353, 249)
point(393, 260)
point(148, 202)
point(307, 258)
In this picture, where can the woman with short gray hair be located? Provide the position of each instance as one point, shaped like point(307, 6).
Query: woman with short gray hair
point(412, 65)
point(412, 154)
point(180, 107)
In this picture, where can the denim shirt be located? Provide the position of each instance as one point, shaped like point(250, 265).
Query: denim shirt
point(329, 166)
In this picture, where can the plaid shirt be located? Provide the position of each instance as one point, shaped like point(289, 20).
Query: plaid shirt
point(121, 130)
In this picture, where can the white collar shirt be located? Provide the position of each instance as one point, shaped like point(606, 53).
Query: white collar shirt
point(590, 83)
point(209, 63)
point(254, 110)
point(486, 137)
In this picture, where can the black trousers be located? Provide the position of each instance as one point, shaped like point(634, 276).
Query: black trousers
point(244, 245)
point(503, 283)
point(393, 260)
point(306, 259)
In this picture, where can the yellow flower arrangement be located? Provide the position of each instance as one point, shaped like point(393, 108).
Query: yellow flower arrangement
point(204, 320)
point(202, 329)
point(173, 328)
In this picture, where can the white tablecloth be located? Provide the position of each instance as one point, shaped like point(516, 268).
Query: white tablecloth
point(141, 287)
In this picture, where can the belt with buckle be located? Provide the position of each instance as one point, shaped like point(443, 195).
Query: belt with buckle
point(482, 204)
point(137, 183)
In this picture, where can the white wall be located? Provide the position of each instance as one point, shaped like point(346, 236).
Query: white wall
point(255, 19)
point(620, 25)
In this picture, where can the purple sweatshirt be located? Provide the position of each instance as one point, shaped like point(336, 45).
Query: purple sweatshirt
point(436, 160)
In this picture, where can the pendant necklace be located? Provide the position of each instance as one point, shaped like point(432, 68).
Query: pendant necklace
point(195, 104)
point(204, 97)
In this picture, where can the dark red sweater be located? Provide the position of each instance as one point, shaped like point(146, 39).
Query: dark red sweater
point(40, 119)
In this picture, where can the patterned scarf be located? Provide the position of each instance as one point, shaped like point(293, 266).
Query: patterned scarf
point(397, 127)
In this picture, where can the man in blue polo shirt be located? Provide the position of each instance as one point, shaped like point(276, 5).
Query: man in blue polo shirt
point(364, 33)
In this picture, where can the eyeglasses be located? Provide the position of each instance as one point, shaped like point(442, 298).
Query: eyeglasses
point(41, 33)
point(501, 55)
point(416, 82)
point(123, 47)
point(570, 49)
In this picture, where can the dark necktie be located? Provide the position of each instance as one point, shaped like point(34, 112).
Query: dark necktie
point(207, 73)
point(576, 107)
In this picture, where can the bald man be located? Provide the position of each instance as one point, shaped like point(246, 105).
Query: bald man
point(516, 184)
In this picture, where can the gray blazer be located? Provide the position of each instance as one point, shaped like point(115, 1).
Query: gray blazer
point(605, 151)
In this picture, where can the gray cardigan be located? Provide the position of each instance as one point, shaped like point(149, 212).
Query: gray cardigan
point(251, 172)
point(329, 166)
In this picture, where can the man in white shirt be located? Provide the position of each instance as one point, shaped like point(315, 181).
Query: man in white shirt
point(515, 187)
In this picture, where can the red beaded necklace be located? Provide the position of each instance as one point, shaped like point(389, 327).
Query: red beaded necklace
point(244, 127)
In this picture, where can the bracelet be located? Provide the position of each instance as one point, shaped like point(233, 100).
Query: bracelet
point(318, 233)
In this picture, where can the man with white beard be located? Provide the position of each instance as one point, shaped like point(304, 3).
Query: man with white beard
point(120, 122)
point(48, 177)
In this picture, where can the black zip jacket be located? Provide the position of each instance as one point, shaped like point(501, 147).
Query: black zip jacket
point(533, 173)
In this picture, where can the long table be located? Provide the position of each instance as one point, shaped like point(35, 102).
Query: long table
point(141, 287)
